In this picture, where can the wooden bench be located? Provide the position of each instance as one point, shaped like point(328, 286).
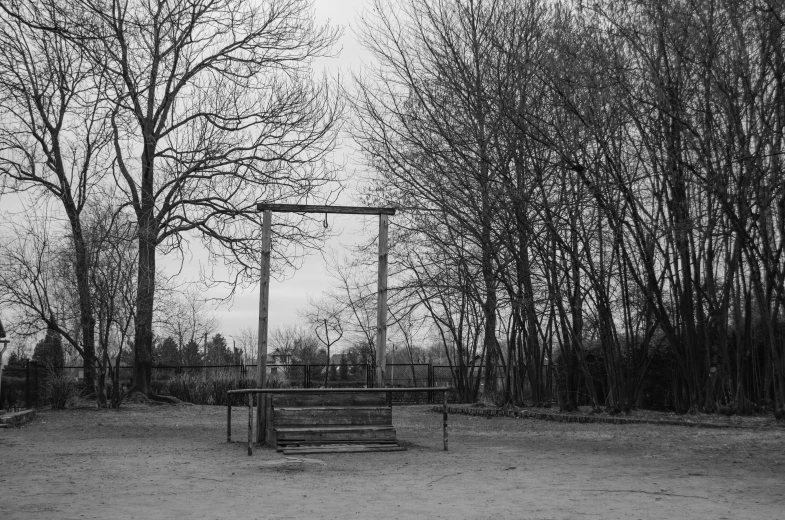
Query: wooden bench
point(327, 420)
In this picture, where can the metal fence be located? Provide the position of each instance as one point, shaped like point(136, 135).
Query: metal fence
point(23, 385)
point(302, 375)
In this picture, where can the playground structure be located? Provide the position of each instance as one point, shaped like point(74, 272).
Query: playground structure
point(328, 420)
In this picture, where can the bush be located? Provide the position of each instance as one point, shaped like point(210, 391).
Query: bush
point(59, 390)
point(187, 388)
point(12, 392)
point(275, 380)
point(159, 387)
point(200, 389)
point(14, 384)
point(212, 387)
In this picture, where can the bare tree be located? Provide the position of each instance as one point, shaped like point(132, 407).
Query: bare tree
point(112, 254)
point(610, 168)
point(249, 343)
point(408, 327)
point(326, 320)
point(186, 317)
point(53, 137)
point(354, 290)
point(212, 109)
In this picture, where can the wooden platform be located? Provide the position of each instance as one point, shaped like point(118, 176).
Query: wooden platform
point(331, 422)
point(326, 419)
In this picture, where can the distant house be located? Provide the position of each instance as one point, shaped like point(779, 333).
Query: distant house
point(278, 357)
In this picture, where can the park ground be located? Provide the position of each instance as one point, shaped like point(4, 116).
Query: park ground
point(170, 462)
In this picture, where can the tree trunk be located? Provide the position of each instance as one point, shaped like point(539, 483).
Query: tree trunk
point(81, 271)
point(87, 321)
point(143, 326)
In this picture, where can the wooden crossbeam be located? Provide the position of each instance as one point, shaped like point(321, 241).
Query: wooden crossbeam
point(312, 208)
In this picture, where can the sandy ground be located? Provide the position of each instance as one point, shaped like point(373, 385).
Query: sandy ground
point(150, 462)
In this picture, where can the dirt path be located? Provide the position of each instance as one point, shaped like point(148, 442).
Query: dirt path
point(173, 462)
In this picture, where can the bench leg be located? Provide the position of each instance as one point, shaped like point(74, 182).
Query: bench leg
point(250, 425)
point(444, 417)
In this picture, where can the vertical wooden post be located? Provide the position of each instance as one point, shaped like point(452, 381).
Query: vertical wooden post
point(444, 417)
point(381, 301)
point(228, 417)
point(264, 308)
point(250, 424)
